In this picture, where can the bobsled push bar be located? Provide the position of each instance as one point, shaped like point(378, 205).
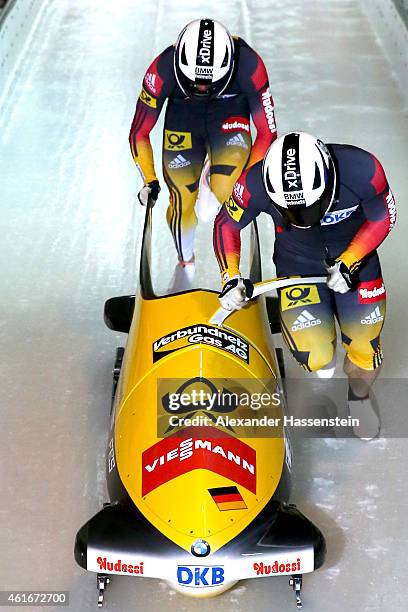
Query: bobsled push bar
point(221, 314)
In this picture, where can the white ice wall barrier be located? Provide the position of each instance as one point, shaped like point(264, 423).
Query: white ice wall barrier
point(393, 35)
point(17, 24)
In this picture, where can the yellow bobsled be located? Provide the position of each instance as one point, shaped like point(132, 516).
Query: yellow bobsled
point(198, 462)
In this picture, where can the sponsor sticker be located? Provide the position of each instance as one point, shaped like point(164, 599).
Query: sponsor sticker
point(300, 295)
point(233, 209)
point(371, 291)
point(268, 107)
point(200, 576)
point(177, 141)
point(227, 498)
point(205, 52)
point(204, 72)
point(338, 215)
point(239, 192)
point(291, 175)
point(150, 82)
point(174, 456)
point(374, 317)
point(235, 124)
point(237, 141)
point(147, 98)
point(117, 566)
point(179, 162)
point(305, 321)
point(297, 195)
point(276, 567)
point(200, 334)
point(111, 456)
point(392, 209)
point(295, 199)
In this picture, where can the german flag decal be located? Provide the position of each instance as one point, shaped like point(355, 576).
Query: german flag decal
point(228, 498)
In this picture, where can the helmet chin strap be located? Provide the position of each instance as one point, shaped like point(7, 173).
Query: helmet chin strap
point(201, 94)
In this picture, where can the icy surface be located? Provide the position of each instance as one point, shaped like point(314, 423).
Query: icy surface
point(70, 233)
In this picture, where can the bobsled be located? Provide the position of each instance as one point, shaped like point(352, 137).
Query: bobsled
point(199, 495)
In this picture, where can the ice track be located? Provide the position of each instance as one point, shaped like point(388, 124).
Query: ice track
point(70, 234)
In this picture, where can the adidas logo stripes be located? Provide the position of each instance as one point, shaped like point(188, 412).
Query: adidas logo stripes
point(238, 141)
point(304, 321)
point(179, 162)
point(150, 80)
point(373, 317)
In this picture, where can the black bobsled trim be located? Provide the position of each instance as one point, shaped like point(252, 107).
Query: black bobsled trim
point(292, 529)
point(272, 308)
point(118, 313)
point(121, 528)
point(81, 546)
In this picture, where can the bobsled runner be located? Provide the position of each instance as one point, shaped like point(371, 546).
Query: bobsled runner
point(196, 500)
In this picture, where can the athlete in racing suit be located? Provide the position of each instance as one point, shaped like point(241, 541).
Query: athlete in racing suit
point(344, 245)
point(207, 118)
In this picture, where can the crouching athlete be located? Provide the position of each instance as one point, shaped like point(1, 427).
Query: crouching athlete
point(332, 208)
point(213, 83)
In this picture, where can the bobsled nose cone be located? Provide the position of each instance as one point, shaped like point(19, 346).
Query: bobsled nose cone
point(81, 545)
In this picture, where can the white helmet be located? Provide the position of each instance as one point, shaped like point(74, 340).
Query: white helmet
point(204, 58)
point(300, 178)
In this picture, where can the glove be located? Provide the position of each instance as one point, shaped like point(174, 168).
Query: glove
point(340, 278)
point(151, 190)
point(235, 293)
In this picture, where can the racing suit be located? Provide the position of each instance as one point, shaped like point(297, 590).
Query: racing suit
point(194, 128)
point(362, 215)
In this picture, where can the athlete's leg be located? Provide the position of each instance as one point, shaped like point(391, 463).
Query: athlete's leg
point(360, 379)
point(308, 327)
point(229, 148)
point(361, 316)
point(183, 158)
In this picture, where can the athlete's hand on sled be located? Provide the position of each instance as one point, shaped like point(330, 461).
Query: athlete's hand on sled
point(150, 190)
point(340, 278)
point(235, 293)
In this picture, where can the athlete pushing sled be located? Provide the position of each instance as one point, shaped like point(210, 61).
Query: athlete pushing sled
point(332, 208)
point(214, 83)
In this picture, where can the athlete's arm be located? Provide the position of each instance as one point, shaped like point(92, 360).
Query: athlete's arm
point(155, 89)
point(379, 209)
point(254, 81)
point(235, 214)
